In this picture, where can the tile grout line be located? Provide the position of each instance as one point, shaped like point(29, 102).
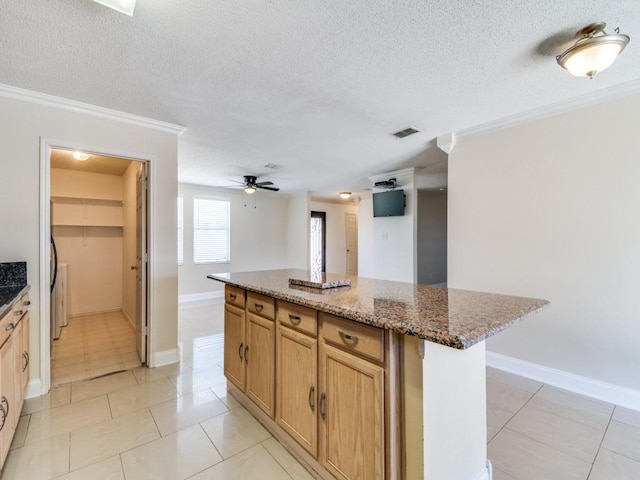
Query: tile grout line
point(516, 412)
point(604, 434)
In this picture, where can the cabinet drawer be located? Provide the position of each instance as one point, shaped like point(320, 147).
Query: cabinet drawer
point(7, 324)
point(354, 337)
point(298, 317)
point(234, 296)
point(261, 305)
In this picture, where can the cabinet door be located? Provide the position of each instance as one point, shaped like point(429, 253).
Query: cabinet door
point(7, 420)
point(18, 396)
point(260, 360)
point(25, 359)
point(352, 412)
point(297, 389)
point(234, 345)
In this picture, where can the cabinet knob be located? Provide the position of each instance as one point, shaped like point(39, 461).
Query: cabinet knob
point(232, 296)
point(259, 307)
point(10, 327)
point(294, 318)
point(26, 303)
point(18, 313)
point(133, 267)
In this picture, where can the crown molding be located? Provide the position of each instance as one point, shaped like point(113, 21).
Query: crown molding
point(44, 99)
point(582, 101)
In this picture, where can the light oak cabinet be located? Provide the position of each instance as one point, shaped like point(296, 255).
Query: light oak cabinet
point(327, 387)
point(297, 387)
point(249, 348)
point(14, 371)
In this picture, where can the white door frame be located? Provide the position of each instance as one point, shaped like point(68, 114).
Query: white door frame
point(45, 228)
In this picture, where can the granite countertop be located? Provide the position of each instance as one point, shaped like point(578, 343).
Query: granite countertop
point(13, 284)
point(448, 316)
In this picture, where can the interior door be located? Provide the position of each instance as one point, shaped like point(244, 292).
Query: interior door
point(352, 243)
point(141, 262)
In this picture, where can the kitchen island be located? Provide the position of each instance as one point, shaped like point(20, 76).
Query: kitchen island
point(366, 334)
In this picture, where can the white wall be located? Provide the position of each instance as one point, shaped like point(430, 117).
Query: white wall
point(432, 237)
point(395, 238)
point(22, 125)
point(258, 237)
point(129, 244)
point(298, 231)
point(365, 237)
point(93, 254)
point(336, 248)
point(550, 209)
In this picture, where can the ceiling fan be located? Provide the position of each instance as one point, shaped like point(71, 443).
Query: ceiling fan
point(251, 184)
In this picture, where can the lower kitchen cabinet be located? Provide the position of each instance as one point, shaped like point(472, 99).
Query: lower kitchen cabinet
point(352, 415)
point(7, 397)
point(260, 361)
point(234, 345)
point(297, 387)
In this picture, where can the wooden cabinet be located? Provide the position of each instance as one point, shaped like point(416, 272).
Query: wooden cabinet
point(297, 387)
point(330, 384)
point(259, 357)
point(352, 412)
point(234, 345)
point(7, 395)
point(249, 350)
point(14, 371)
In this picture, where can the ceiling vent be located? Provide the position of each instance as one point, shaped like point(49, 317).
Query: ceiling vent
point(273, 166)
point(406, 132)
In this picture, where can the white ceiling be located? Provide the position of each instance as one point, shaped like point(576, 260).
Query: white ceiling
point(315, 86)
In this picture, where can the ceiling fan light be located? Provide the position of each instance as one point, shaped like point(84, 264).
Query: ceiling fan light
point(250, 189)
point(594, 52)
point(122, 6)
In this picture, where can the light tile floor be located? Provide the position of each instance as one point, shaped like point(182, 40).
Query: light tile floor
point(177, 422)
point(93, 345)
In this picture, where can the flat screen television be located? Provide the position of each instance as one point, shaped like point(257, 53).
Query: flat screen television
point(388, 204)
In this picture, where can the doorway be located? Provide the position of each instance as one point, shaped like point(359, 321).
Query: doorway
point(99, 223)
point(351, 240)
point(318, 242)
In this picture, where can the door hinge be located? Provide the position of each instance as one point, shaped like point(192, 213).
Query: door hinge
point(144, 330)
point(145, 258)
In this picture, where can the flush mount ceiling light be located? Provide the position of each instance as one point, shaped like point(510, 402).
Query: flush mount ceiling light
point(122, 6)
point(594, 51)
point(80, 156)
point(345, 195)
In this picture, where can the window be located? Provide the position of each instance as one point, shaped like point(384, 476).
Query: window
point(180, 231)
point(210, 231)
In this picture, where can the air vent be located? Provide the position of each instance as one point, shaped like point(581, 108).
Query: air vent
point(273, 166)
point(406, 132)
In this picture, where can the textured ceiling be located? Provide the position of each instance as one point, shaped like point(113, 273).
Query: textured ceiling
point(316, 87)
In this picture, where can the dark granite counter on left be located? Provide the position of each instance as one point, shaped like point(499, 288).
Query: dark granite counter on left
point(13, 284)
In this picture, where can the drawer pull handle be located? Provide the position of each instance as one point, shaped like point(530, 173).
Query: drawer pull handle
point(10, 327)
point(25, 355)
point(294, 318)
point(323, 406)
point(312, 399)
point(246, 354)
point(232, 296)
point(348, 337)
point(240, 352)
point(26, 303)
point(5, 412)
point(18, 313)
point(259, 307)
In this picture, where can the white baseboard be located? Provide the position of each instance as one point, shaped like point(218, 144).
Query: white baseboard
point(192, 297)
point(34, 389)
point(606, 392)
point(133, 324)
point(166, 357)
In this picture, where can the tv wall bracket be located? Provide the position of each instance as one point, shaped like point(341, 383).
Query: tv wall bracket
point(391, 183)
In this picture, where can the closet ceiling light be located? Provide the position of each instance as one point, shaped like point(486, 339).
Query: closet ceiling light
point(345, 195)
point(122, 6)
point(80, 156)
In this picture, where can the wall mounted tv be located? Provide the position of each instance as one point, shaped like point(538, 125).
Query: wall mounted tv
point(388, 204)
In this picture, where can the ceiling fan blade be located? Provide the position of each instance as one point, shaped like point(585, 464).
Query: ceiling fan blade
point(235, 181)
point(273, 189)
point(264, 183)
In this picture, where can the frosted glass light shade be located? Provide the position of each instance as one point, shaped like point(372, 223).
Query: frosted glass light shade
point(250, 189)
point(122, 6)
point(594, 52)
